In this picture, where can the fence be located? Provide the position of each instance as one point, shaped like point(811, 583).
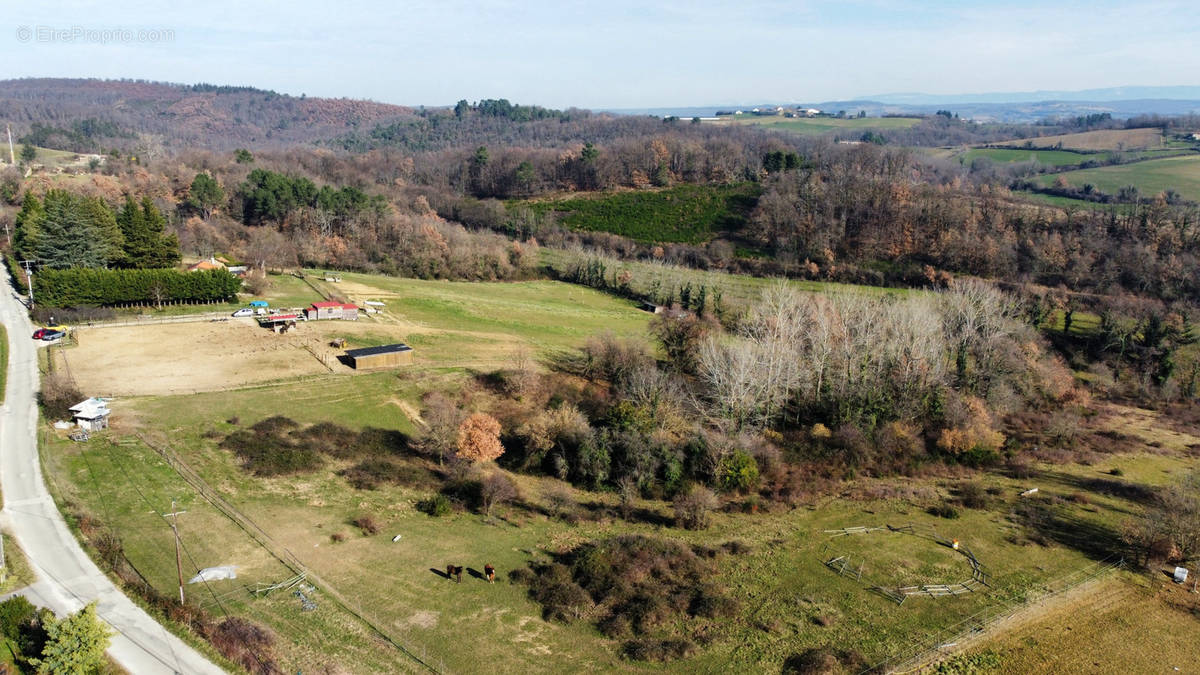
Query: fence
point(931, 648)
point(285, 556)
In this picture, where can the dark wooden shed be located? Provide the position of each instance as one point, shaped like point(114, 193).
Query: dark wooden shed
point(385, 356)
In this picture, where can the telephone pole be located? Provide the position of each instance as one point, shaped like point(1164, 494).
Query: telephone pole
point(178, 560)
point(29, 279)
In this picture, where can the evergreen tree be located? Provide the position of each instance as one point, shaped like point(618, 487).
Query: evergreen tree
point(146, 244)
point(75, 644)
point(28, 227)
point(205, 194)
point(104, 222)
point(68, 238)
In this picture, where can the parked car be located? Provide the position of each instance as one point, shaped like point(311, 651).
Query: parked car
point(245, 311)
point(52, 334)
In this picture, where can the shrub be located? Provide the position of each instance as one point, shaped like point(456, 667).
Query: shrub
point(245, 643)
point(658, 650)
point(972, 495)
point(692, 508)
point(16, 614)
point(739, 472)
point(436, 506)
point(57, 395)
point(943, 511)
point(366, 524)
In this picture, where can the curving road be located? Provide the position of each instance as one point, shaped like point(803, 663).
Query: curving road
point(67, 578)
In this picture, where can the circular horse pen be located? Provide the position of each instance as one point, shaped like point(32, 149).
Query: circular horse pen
point(902, 581)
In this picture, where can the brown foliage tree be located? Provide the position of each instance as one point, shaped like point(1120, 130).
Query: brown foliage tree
point(479, 438)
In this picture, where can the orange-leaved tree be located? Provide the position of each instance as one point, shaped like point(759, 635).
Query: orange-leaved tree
point(479, 438)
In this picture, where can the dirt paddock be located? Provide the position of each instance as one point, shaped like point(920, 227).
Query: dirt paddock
point(201, 356)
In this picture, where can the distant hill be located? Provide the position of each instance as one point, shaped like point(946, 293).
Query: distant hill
point(94, 114)
point(1110, 94)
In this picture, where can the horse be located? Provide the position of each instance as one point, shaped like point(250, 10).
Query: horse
point(454, 571)
point(490, 572)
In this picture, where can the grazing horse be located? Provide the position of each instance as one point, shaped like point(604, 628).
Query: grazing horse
point(454, 571)
point(490, 573)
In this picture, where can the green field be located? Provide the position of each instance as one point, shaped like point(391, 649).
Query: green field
point(1181, 174)
point(735, 289)
point(686, 213)
point(1044, 157)
point(816, 126)
point(781, 586)
point(3, 361)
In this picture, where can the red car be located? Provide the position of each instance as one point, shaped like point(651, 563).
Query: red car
point(47, 334)
point(40, 333)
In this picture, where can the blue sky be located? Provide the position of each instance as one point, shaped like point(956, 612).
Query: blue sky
point(615, 53)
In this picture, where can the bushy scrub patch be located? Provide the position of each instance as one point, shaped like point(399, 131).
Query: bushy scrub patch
point(632, 587)
point(279, 446)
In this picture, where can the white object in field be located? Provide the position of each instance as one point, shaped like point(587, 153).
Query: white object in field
point(955, 545)
point(1031, 491)
point(374, 303)
point(1180, 575)
point(215, 574)
point(395, 539)
point(63, 424)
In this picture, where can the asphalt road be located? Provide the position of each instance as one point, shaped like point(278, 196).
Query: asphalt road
point(67, 578)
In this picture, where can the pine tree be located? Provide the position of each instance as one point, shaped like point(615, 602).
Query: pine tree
point(104, 222)
point(68, 238)
point(75, 644)
point(28, 227)
point(146, 245)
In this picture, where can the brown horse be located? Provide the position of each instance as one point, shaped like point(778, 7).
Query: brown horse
point(454, 571)
point(490, 573)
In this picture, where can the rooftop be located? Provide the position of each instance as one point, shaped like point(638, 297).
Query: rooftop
point(383, 349)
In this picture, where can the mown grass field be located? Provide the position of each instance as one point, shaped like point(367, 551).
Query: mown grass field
point(816, 126)
point(1181, 174)
point(1044, 157)
point(686, 213)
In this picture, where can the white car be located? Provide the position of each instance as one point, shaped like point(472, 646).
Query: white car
point(245, 311)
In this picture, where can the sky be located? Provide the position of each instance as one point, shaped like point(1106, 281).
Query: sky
point(611, 53)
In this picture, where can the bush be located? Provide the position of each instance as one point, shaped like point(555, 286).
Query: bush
point(692, 508)
point(825, 661)
point(245, 643)
point(100, 287)
point(658, 650)
point(366, 524)
point(972, 495)
point(436, 506)
point(57, 395)
point(943, 511)
point(16, 614)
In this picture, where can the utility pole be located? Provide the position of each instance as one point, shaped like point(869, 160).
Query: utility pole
point(178, 560)
point(29, 279)
point(12, 156)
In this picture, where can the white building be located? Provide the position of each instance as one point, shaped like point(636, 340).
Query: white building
point(92, 414)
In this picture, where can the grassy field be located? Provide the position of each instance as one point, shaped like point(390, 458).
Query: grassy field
point(3, 361)
point(1124, 624)
point(686, 213)
point(1181, 174)
point(1112, 139)
point(1044, 157)
point(782, 587)
point(816, 126)
point(735, 289)
point(449, 324)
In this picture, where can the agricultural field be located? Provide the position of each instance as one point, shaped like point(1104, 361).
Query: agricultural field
point(816, 126)
point(1151, 177)
point(687, 213)
point(449, 324)
point(1109, 139)
point(1044, 157)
